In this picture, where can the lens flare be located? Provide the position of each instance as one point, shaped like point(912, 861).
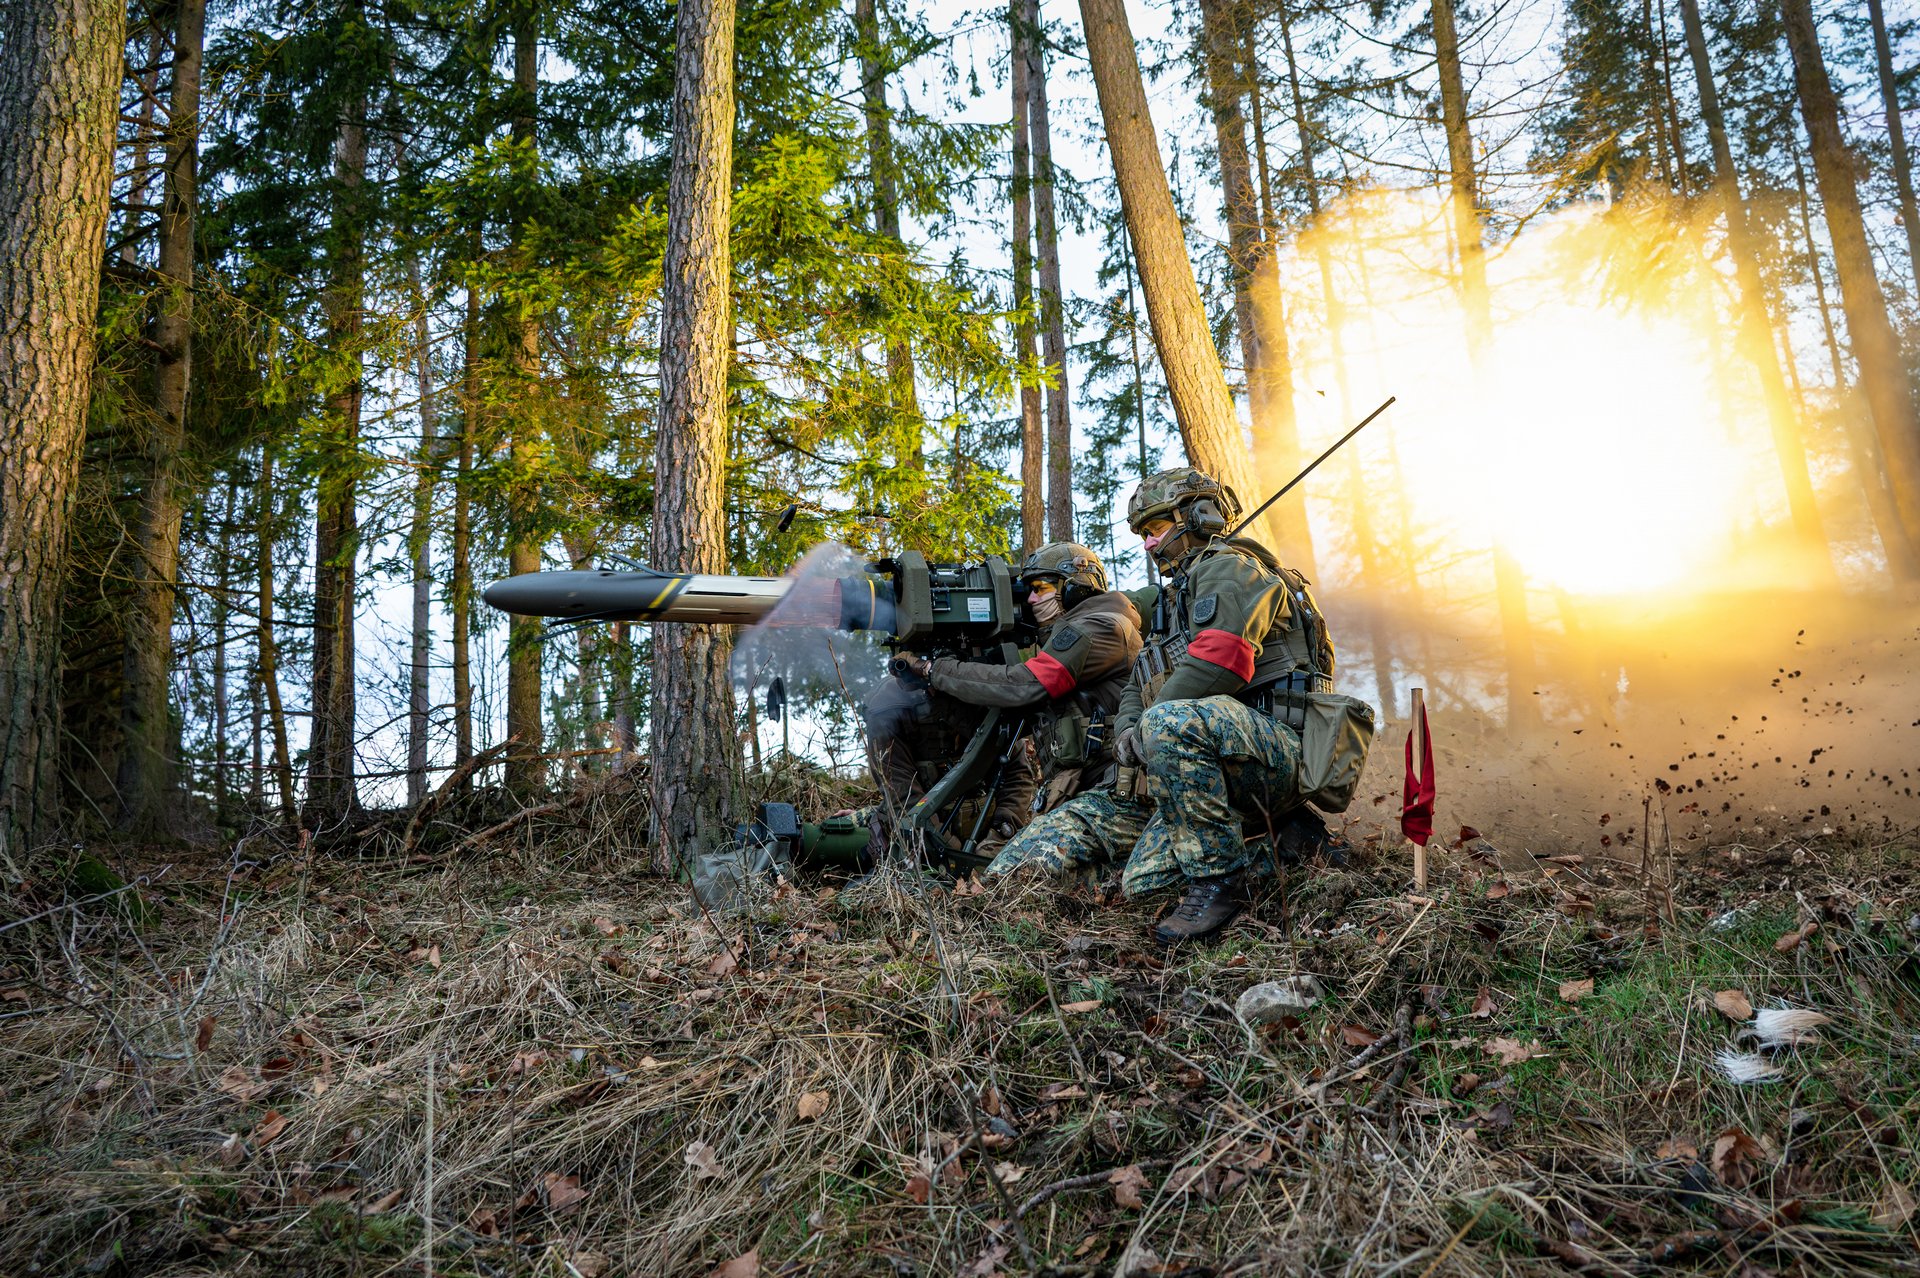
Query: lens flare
point(1605, 434)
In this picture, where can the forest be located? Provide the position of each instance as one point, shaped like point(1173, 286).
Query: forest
point(350, 924)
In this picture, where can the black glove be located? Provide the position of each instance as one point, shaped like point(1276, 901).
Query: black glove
point(1128, 749)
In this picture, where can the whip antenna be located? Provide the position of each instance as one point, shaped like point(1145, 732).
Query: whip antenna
point(1335, 447)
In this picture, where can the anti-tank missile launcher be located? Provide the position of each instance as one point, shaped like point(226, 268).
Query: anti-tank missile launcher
point(969, 611)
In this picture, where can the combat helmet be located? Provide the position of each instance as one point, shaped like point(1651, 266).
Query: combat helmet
point(1076, 571)
point(1200, 506)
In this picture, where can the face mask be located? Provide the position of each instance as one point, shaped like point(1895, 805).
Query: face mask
point(1046, 608)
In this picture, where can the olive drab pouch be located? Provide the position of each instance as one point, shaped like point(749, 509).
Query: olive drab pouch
point(1335, 738)
point(1067, 741)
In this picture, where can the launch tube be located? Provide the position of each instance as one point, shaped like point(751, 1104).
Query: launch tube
point(849, 603)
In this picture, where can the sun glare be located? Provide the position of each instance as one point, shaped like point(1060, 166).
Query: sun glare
point(1591, 437)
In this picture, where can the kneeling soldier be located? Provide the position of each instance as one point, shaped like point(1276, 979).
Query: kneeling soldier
point(1206, 716)
point(1089, 638)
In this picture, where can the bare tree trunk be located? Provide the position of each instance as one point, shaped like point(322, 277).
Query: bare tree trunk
point(696, 770)
point(1052, 312)
point(460, 571)
point(1033, 494)
point(908, 424)
point(1256, 285)
point(59, 95)
point(526, 771)
point(266, 671)
point(624, 741)
point(1673, 107)
point(1510, 587)
point(330, 763)
point(1195, 383)
point(222, 611)
point(147, 772)
point(1139, 385)
point(1755, 327)
point(1883, 376)
point(1650, 88)
point(1897, 137)
point(420, 543)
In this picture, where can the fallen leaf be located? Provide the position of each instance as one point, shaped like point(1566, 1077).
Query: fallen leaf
point(1085, 1005)
point(563, 1192)
point(606, 926)
point(1483, 1003)
point(236, 1083)
point(1734, 1005)
point(386, 1202)
point(1358, 1036)
point(705, 1163)
point(1009, 1173)
point(919, 1188)
point(433, 956)
point(484, 1222)
point(203, 1033)
point(1127, 1184)
point(1063, 1091)
point(649, 1064)
point(744, 1266)
point(1734, 1153)
point(1467, 1084)
point(810, 1105)
point(987, 1263)
point(232, 1150)
point(1498, 890)
point(588, 1264)
point(723, 963)
point(1895, 1208)
point(1512, 1051)
point(526, 1062)
point(271, 1124)
point(1574, 991)
point(1790, 941)
point(1681, 1149)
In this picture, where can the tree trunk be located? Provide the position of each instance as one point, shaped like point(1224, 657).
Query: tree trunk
point(1897, 137)
point(60, 66)
point(420, 543)
point(1650, 89)
point(1673, 107)
point(1372, 571)
point(696, 770)
point(1883, 377)
point(460, 572)
point(1755, 328)
point(1510, 587)
point(148, 771)
point(1053, 327)
point(222, 612)
point(526, 771)
point(1033, 493)
point(1201, 402)
point(1259, 312)
point(621, 674)
point(903, 396)
point(266, 659)
point(330, 763)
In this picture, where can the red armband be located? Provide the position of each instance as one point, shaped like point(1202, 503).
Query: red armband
point(1054, 677)
point(1228, 651)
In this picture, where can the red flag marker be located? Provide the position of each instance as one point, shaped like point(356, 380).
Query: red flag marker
point(1416, 812)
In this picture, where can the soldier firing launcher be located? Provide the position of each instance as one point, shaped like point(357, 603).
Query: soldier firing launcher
point(969, 611)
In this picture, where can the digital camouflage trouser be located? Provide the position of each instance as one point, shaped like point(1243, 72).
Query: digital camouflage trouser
point(1212, 764)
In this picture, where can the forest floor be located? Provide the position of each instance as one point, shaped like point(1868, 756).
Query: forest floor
point(532, 1057)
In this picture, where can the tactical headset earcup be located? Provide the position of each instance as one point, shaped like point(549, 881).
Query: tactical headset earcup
point(1232, 501)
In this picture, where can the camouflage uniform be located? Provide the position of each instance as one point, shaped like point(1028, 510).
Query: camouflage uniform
point(1231, 627)
point(1069, 688)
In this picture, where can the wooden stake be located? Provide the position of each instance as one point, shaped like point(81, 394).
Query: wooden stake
point(1416, 729)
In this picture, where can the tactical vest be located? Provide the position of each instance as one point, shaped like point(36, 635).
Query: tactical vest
point(1297, 659)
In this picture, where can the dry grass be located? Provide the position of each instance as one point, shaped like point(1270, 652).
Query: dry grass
point(537, 1060)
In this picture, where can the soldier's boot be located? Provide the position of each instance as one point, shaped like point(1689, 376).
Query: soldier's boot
point(1208, 906)
point(1303, 835)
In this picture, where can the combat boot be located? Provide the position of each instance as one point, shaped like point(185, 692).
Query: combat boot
point(1208, 906)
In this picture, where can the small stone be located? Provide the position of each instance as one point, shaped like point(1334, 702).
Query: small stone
point(1268, 1001)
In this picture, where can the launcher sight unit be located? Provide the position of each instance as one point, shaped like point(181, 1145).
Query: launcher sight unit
point(970, 611)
